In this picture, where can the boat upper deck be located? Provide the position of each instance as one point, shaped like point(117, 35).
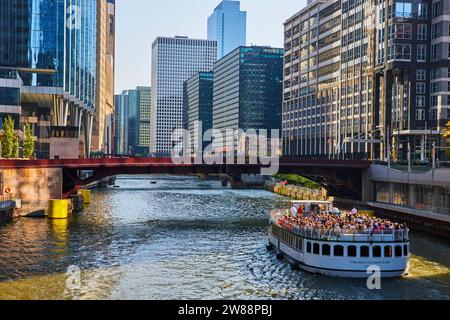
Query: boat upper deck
point(330, 232)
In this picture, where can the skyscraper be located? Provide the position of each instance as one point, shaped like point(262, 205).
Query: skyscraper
point(228, 26)
point(198, 105)
point(121, 124)
point(315, 120)
point(174, 60)
point(104, 113)
point(49, 47)
point(132, 121)
point(247, 94)
point(145, 109)
point(366, 79)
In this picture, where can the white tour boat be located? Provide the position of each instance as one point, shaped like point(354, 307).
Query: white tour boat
point(334, 251)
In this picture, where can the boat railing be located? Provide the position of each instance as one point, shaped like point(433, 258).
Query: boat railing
point(345, 235)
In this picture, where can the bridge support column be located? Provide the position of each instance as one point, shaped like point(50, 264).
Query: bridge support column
point(236, 182)
point(411, 196)
point(74, 119)
point(88, 119)
point(34, 187)
point(367, 187)
point(60, 112)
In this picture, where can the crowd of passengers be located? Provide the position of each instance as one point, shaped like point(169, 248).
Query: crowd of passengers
point(339, 222)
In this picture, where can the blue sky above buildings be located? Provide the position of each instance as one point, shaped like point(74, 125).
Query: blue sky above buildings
point(139, 22)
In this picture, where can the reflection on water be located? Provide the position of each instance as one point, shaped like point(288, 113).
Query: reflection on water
point(183, 238)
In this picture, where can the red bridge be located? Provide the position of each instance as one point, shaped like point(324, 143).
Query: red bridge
point(342, 178)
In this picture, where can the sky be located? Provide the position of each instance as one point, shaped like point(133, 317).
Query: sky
point(139, 22)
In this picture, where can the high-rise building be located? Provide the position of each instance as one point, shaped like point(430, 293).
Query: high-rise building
point(366, 79)
point(228, 26)
point(132, 120)
point(412, 78)
point(174, 60)
point(121, 124)
point(145, 104)
point(198, 105)
point(247, 94)
point(49, 49)
point(104, 113)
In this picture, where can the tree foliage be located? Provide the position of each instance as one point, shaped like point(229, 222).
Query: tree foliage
point(298, 181)
point(447, 137)
point(9, 140)
point(28, 143)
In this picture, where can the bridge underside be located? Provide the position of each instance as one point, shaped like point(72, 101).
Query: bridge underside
point(342, 178)
point(342, 182)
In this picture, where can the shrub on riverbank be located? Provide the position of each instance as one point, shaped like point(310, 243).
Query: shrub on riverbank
point(298, 181)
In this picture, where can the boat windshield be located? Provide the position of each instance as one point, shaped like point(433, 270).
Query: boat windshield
point(310, 206)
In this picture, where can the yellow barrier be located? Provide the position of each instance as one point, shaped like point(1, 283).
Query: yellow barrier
point(86, 195)
point(369, 213)
point(58, 209)
point(298, 193)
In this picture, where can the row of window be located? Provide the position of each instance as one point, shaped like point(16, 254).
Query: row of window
point(9, 96)
point(403, 52)
point(398, 251)
point(445, 114)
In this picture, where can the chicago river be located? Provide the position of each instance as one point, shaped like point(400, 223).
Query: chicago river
point(183, 238)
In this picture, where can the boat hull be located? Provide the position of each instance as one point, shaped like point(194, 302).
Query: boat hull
point(344, 267)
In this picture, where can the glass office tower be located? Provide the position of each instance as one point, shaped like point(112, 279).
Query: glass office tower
point(51, 44)
point(198, 105)
point(228, 26)
point(247, 94)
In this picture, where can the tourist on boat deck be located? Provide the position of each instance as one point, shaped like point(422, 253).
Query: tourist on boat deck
point(294, 212)
point(354, 211)
point(343, 223)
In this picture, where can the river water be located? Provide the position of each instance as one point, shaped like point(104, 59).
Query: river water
point(183, 238)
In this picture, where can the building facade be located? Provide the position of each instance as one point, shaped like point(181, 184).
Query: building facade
point(102, 135)
point(366, 79)
point(198, 106)
point(53, 57)
point(132, 121)
point(174, 60)
point(120, 124)
point(247, 94)
point(145, 105)
point(228, 26)
point(413, 78)
point(327, 80)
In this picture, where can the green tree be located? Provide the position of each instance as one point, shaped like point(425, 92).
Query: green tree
point(298, 181)
point(28, 143)
point(15, 148)
point(10, 143)
point(447, 137)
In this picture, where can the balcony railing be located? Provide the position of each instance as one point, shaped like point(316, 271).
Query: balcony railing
point(8, 74)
